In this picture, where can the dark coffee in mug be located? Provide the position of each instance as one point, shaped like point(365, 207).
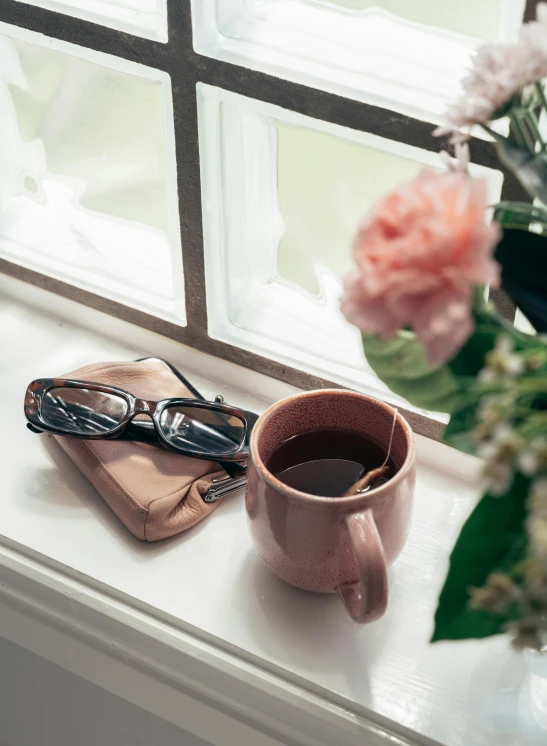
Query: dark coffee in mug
point(327, 462)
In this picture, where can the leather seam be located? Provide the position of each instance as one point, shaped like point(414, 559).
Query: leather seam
point(196, 480)
point(162, 497)
point(204, 478)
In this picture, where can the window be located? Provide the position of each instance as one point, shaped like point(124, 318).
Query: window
point(237, 140)
point(88, 190)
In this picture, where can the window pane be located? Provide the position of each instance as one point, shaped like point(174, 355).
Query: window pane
point(484, 19)
point(88, 192)
point(377, 51)
point(147, 18)
point(282, 196)
point(324, 189)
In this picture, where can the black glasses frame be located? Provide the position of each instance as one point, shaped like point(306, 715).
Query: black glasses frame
point(140, 430)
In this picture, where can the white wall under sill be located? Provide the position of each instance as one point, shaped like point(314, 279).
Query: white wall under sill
point(194, 629)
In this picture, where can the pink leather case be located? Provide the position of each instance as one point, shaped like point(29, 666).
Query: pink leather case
point(154, 492)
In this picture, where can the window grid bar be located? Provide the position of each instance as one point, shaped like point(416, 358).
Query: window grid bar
point(530, 9)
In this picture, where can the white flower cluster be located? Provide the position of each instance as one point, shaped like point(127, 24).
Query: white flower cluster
point(502, 362)
point(498, 443)
point(500, 73)
point(506, 452)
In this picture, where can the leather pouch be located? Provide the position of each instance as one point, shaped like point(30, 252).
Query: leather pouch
point(155, 493)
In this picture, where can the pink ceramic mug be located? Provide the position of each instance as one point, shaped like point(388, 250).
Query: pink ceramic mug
point(332, 544)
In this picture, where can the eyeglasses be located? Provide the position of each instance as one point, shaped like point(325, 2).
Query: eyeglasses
point(195, 427)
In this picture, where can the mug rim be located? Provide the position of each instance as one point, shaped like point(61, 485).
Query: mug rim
point(350, 501)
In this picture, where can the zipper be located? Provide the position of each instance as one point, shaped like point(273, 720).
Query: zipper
point(222, 486)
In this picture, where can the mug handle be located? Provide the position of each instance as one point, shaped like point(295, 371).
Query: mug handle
point(365, 599)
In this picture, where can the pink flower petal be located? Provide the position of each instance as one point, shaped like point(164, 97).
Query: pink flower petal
point(443, 323)
point(419, 253)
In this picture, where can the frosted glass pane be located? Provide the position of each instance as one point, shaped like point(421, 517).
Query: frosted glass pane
point(282, 196)
point(482, 18)
point(406, 55)
point(147, 18)
point(325, 188)
point(88, 191)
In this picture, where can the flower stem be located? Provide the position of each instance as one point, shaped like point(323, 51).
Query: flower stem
point(521, 134)
point(533, 124)
point(532, 385)
point(541, 93)
point(493, 134)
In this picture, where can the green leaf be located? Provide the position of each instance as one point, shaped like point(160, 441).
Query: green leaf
point(530, 169)
point(401, 364)
point(458, 431)
point(523, 258)
point(465, 367)
point(493, 538)
point(534, 426)
point(470, 359)
point(519, 215)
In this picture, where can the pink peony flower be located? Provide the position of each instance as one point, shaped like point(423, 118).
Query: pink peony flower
point(419, 254)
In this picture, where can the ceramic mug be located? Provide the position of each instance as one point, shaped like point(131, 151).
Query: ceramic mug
point(332, 544)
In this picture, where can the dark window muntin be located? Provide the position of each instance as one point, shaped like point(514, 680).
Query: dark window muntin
point(186, 68)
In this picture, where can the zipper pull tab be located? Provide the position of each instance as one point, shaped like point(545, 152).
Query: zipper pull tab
point(222, 486)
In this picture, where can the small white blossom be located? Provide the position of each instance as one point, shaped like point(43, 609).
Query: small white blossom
point(497, 477)
point(528, 631)
point(487, 375)
point(534, 457)
point(490, 412)
point(508, 442)
point(537, 501)
point(500, 452)
point(528, 462)
point(504, 435)
point(504, 344)
point(537, 531)
point(514, 365)
point(502, 361)
point(539, 489)
point(487, 450)
point(497, 595)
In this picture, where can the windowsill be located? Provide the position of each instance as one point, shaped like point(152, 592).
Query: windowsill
point(194, 628)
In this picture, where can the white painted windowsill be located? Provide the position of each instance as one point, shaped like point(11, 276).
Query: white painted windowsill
point(194, 629)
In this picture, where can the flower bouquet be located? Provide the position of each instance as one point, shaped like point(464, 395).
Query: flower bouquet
point(425, 256)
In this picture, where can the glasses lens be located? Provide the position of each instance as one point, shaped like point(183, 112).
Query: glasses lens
point(83, 411)
point(206, 430)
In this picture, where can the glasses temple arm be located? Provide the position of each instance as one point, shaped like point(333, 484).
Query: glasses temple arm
point(146, 432)
point(193, 390)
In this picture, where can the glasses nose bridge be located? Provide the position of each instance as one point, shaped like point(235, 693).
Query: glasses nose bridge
point(144, 406)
